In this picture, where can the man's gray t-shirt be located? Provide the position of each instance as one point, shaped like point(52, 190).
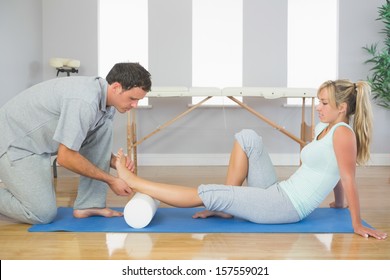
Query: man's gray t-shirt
point(62, 110)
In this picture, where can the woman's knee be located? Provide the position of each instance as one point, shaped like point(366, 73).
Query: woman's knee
point(248, 135)
point(249, 140)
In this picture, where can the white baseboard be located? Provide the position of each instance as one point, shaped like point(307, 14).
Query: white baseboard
point(182, 159)
point(380, 160)
point(223, 159)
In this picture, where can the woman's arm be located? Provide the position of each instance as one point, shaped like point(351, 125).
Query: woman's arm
point(344, 144)
point(339, 197)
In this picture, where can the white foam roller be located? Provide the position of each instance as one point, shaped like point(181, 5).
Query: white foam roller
point(140, 210)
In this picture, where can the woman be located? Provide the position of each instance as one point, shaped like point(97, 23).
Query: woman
point(328, 163)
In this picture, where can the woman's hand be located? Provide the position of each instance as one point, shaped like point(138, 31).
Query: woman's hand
point(367, 232)
point(333, 204)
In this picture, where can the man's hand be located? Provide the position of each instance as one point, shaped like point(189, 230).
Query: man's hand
point(129, 163)
point(120, 187)
point(75, 162)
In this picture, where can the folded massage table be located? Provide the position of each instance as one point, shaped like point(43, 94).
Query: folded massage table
point(307, 131)
point(65, 65)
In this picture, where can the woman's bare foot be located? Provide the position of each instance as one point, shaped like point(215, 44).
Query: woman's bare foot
point(207, 213)
point(120, 165)
point(105, 212)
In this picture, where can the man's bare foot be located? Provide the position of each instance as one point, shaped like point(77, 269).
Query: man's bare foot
point(105, 212)
point(207, 213)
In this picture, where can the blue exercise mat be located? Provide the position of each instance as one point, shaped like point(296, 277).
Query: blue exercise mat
point(322, 220)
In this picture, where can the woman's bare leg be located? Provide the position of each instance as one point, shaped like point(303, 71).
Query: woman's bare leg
point(236, 174)
point(174, 195)
point(238, 166)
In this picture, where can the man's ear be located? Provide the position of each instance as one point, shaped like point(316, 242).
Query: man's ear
point(117, 87)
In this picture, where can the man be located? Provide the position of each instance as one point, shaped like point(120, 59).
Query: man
point(70, 117)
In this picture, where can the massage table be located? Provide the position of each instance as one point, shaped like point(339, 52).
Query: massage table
point(65, 65)
point(307, 131)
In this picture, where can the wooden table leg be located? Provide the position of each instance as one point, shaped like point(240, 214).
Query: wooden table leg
point(132, 138)
point(271, 123)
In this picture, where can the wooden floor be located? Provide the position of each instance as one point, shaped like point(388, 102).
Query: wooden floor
point(17, 243)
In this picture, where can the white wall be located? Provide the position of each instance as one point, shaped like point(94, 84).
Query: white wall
point(358, 28)
point(70, 28)
point(20, 47)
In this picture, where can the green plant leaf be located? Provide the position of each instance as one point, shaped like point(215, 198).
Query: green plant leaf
point(379, 77)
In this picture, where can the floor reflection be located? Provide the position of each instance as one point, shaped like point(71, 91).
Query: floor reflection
point(326, 240)
point(220, 246)
point(136, 245)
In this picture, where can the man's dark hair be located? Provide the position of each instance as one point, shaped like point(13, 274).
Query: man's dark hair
point(130, 75)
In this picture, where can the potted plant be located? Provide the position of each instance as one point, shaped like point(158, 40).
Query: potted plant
point(380, 58)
